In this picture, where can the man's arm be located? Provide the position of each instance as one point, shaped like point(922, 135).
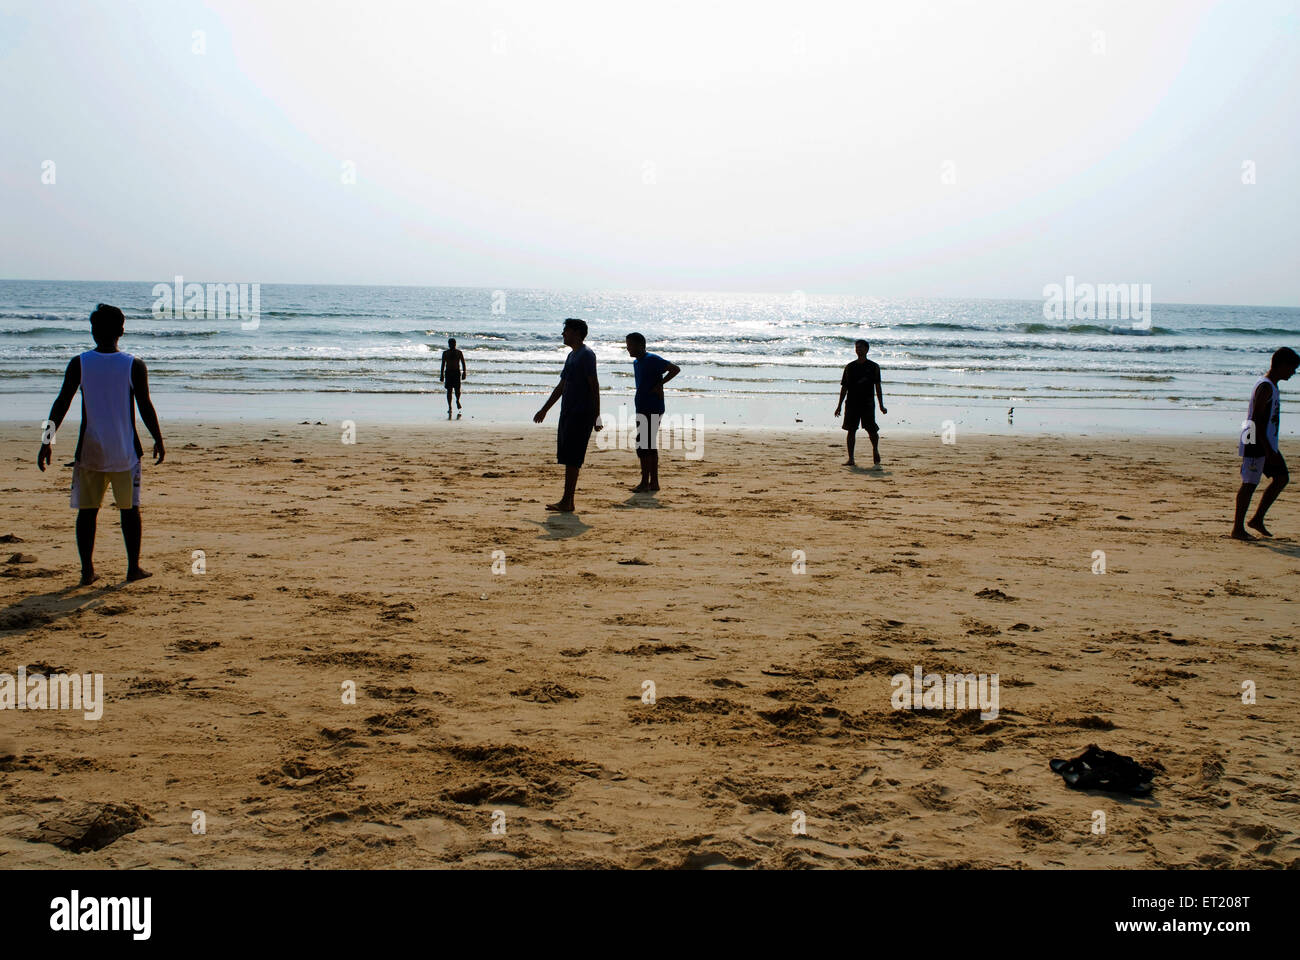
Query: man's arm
point(140, 384)
point(442, 367)
point(880, 396)
point(673, 370)
point(540, 415)
point(71, 380)
point(844, 389)
point(594, 385)
point(1263, 407)
point(464, 370)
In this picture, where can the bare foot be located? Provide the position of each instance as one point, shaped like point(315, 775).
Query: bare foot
point(850, 463)
point(1258, 524)
point(1242, 535)
point(875, 457)
point(563, 507)
point(641, 488)
point(88, 578)
point(137, 574)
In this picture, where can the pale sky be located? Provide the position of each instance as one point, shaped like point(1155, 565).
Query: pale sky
point(658, 145)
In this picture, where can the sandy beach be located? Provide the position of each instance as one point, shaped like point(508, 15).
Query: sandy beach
point(522, 691)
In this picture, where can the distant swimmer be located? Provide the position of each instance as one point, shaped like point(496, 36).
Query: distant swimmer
point(451, 373)
point(113, 386)
point(579, 395)
point(651, 372)
point(857, 399)
point(1258, 445)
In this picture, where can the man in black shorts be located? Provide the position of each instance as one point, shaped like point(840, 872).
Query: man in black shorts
point(860, 377)
point(579, 409)
point(452, 372)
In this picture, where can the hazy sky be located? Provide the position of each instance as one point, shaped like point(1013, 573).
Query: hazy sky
point(657, 145)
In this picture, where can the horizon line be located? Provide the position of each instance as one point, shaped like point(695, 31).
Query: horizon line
point(786, 293)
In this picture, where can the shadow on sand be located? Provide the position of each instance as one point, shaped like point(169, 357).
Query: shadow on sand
point(561, 526)
point(642, 501)
point(43, 608)
point(1287, 548)
point(1146, 801)
point(870, 471)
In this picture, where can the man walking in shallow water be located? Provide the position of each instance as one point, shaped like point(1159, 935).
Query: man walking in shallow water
point(451, 372)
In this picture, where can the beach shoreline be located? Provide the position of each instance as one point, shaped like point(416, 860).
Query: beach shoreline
point(796, 414)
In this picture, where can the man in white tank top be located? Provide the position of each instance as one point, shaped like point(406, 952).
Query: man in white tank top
point(1258, 445)
point(113, 385)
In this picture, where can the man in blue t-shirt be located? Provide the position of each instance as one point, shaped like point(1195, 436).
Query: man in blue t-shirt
point(651, 372)
point(579, 393)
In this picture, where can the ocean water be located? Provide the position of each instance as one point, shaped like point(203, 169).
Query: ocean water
point(331, 352)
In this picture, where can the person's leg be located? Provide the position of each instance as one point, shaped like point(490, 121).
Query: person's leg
point(1239, 519)
point(643, 451)
point(458, 396)
point(570, 486)
point(86, 543)
point(448, 402)
point(875, 446)
point(1266, 501)
point(563, 454)
point(653, 423)
point(643, 458)
point(571, 441)
point(851, 437)
point(131, 530)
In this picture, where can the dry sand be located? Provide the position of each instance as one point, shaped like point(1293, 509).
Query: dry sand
point(522, 692)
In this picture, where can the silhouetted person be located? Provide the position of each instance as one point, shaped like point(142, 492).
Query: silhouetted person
point(1262, 458)
point(579, 392)
point(860, 377)
point(451, 372)
point(108, 453)
point(651, 372)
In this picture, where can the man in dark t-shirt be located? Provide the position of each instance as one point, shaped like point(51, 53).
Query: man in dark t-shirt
point(650, 372)
point(451, 372)
point(579, 395)
point(859, 389)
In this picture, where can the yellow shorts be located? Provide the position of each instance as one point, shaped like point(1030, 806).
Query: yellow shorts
point(88, 488)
